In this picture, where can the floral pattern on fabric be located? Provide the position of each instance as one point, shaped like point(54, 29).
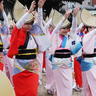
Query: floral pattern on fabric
point(29, 65)
point(1, 58)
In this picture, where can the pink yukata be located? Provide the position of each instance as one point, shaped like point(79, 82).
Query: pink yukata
point(88, 64)
point(49, 71)
point(62, 49)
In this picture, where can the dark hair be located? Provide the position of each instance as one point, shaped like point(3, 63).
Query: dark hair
point(87, 28)
point(30, 22)
point(68, 27)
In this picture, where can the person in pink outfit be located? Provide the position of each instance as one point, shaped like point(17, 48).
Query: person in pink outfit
point(48, 29)
point(88, 60)
point(64, 44)
point(3, 32)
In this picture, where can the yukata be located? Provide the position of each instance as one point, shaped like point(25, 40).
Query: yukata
point(62, 49)
point(77, 68)
point(8, 62)
point(49, 71)
point(88, 64)
point(3, 32)
point(25, 47)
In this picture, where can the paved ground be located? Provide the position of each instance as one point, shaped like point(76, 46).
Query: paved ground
point(43, 92)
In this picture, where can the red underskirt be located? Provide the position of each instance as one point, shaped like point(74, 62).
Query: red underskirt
point(25, 84)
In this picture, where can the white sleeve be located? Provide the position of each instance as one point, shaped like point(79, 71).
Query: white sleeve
point(57, 28)
point(39, 17)
point(44, 23)
point(79, 28)
point(47, 25)
point(22, 20)
point(89, 41)
point(74, 24)
point(5, 18)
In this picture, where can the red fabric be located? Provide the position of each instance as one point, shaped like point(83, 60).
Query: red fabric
point(1, 66)
point(86, 32)
point(26, 83)
point(78, 72)
point(44, 59)
point(18, 38)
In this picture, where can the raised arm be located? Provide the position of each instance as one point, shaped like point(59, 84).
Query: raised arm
point(22, 20)
point(74, 20)
point(57, 28)
point(47, 26)
point(80, 26)
point(40, 13)
point(4, 14)
point(89, 41)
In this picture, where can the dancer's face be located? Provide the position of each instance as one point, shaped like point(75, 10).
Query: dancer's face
point(63, 31)
point(27, 27)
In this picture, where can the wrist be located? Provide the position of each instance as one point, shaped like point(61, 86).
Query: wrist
point(39, 6)
point(2, 10)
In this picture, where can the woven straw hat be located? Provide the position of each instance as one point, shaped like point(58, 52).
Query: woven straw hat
point(9, 19)
point(57, 18)
point(19, 10)
point(87, 18)
point(78, 18)
point(6, 88)
point(51, 14)
point(46, 20)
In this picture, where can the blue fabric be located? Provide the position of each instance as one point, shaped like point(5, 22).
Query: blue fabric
point(36, 30)
point(79, 59)
point(70, 65)
point(85, 66)
point(4, 30)
point(50, 57)
point(46, 55)
point(22, 62)
point(5, 53)
point(73, 42)
point(64, 42)
point(81, 34)
point(95, 44)
point(76, 48)
point(15, 71)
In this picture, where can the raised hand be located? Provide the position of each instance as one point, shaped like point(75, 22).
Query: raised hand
point(1, 6)
point(41, 3)
point(75, 12)
point(32, 6)
point(34, 12)
point(67, 13)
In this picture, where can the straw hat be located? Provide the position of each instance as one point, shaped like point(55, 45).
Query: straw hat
point(78, 18)
point(9, 19)
point(6, 88)
point(57, 17)
point(46, 20)
point(19, 10)
point(51, 14)
point(87, 18)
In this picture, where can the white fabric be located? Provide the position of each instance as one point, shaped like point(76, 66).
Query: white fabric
point(59, 61)
point(40, 63)
point(88, 42)
point(5, 18)
point(5, 41)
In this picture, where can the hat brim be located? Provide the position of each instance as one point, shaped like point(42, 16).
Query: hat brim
point(19, 10)
point(87, 18)
point(6, 88)
point(57, 18)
